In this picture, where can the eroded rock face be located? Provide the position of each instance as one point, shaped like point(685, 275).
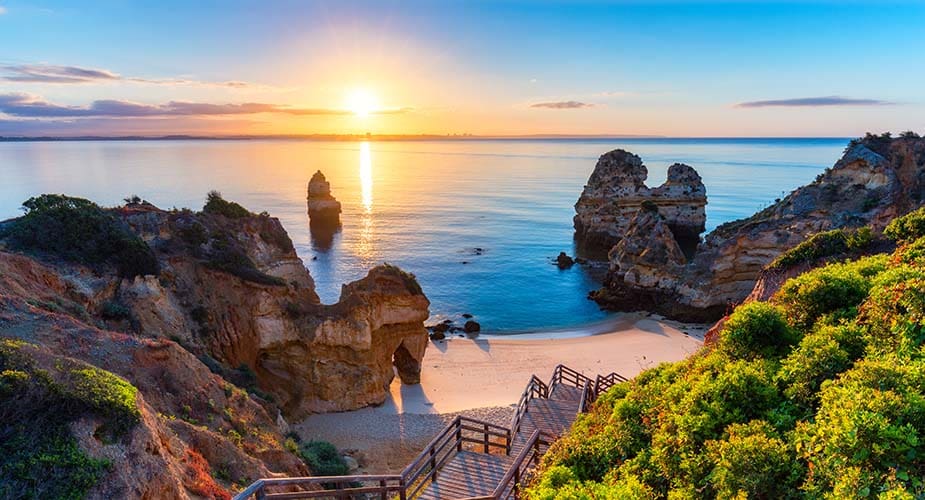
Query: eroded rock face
point(876, 180)
point(235, 292)
point(323, 208)
point(616, 191)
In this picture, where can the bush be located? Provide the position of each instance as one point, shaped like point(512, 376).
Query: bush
point(756, 329)
point(826, 244)
point(115, 310)
point(753, 462)
point(229, 257)
point(821, 356)
point(323, 459)
point(215, 204)
point(828, 293)
point(908, 227)
point(78, 230)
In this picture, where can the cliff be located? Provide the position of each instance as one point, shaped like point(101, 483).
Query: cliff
point(616, 191)
point(877, 178)
point(221, 332)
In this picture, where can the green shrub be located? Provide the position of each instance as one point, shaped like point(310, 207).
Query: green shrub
point(869, 429)
point(826, 244)
point(828, 293)
point(907, 228)
point(229, 257)
point(820, 356)
point(115, 310)
point(756, 329)
point(215, 204)
point(78, 230)
point(753, 462)
point(323, 459)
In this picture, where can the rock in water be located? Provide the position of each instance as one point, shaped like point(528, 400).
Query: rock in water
point(472, 326)
point(616, 190)
point(877, 179)
point(564, 261)
point(323, 208)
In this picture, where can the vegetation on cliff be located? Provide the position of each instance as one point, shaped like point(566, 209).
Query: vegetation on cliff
point(817, 393)
point(40, 397)
point(78, 230)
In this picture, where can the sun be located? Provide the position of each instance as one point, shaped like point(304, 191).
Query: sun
point(362, 102)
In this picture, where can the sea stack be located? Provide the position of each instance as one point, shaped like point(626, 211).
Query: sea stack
point(323, 209)
point(617, 190)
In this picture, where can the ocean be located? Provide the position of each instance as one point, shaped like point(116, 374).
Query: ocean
point(477, 221)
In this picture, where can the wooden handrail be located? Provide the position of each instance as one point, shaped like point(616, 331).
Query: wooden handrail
point(536, 388)
point(440, 450)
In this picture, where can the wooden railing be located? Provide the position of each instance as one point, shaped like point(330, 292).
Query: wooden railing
point(567, 376)
point(424, 469)
point(461, 433)
point(536, 388)
point(518, 473)
point(604, 382)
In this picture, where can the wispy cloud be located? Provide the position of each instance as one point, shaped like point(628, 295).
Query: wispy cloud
point(562, 105)
point(44, 73)
point(2, 10)
point(832, 100)
point(31, 106)
point(50, 73)
point(613, 93)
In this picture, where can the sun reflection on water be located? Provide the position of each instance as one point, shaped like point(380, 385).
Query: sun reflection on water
point(364, 246)
point(366, 177)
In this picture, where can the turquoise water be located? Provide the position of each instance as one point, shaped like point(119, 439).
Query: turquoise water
point(426, 206)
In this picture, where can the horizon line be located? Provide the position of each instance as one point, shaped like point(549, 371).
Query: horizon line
point(383, 137)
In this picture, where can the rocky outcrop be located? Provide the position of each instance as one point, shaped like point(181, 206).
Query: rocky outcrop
point(323, 208)
point(233, 292)
point(616, 191)
point(876, 180)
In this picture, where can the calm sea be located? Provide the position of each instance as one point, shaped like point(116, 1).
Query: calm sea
point(477, 221)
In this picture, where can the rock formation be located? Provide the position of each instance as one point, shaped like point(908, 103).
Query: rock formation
point(877, 179)
point(226, 341)
point(323, 208)
point(616, 191)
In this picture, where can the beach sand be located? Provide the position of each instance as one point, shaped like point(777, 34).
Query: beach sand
point(484, 377)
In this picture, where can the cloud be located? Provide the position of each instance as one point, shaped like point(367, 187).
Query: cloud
point(2, 10)
point(832, 100)
point(617, 93)
point(562, 105)
point(31, 106)
point(49, 73)
point(44, 73)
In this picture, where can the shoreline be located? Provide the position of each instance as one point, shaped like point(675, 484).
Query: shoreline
point(484, 377)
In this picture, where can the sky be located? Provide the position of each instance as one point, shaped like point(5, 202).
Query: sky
point(666, 68)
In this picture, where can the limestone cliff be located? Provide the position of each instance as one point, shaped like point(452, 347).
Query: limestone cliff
point(877, 179)
point(616, 191)
point(231, 307)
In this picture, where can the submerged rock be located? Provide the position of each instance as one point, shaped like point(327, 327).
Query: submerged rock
point(876, 180)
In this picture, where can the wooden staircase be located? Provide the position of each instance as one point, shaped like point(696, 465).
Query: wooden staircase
point(469, 459)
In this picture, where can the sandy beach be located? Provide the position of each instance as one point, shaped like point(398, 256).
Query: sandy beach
point(484, 377)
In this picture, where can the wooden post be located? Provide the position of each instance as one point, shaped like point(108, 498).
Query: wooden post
point(385, 491)
point(485, 436)
point(402, 491)
point(433, 465)
point(459, 438)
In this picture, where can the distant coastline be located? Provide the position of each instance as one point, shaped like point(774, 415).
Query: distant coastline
point(390, 137)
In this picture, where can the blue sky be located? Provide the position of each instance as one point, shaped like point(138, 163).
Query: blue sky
point(663, 68)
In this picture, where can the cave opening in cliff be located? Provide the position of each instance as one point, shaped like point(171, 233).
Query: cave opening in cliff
point(407, 368)
point(687, 240)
